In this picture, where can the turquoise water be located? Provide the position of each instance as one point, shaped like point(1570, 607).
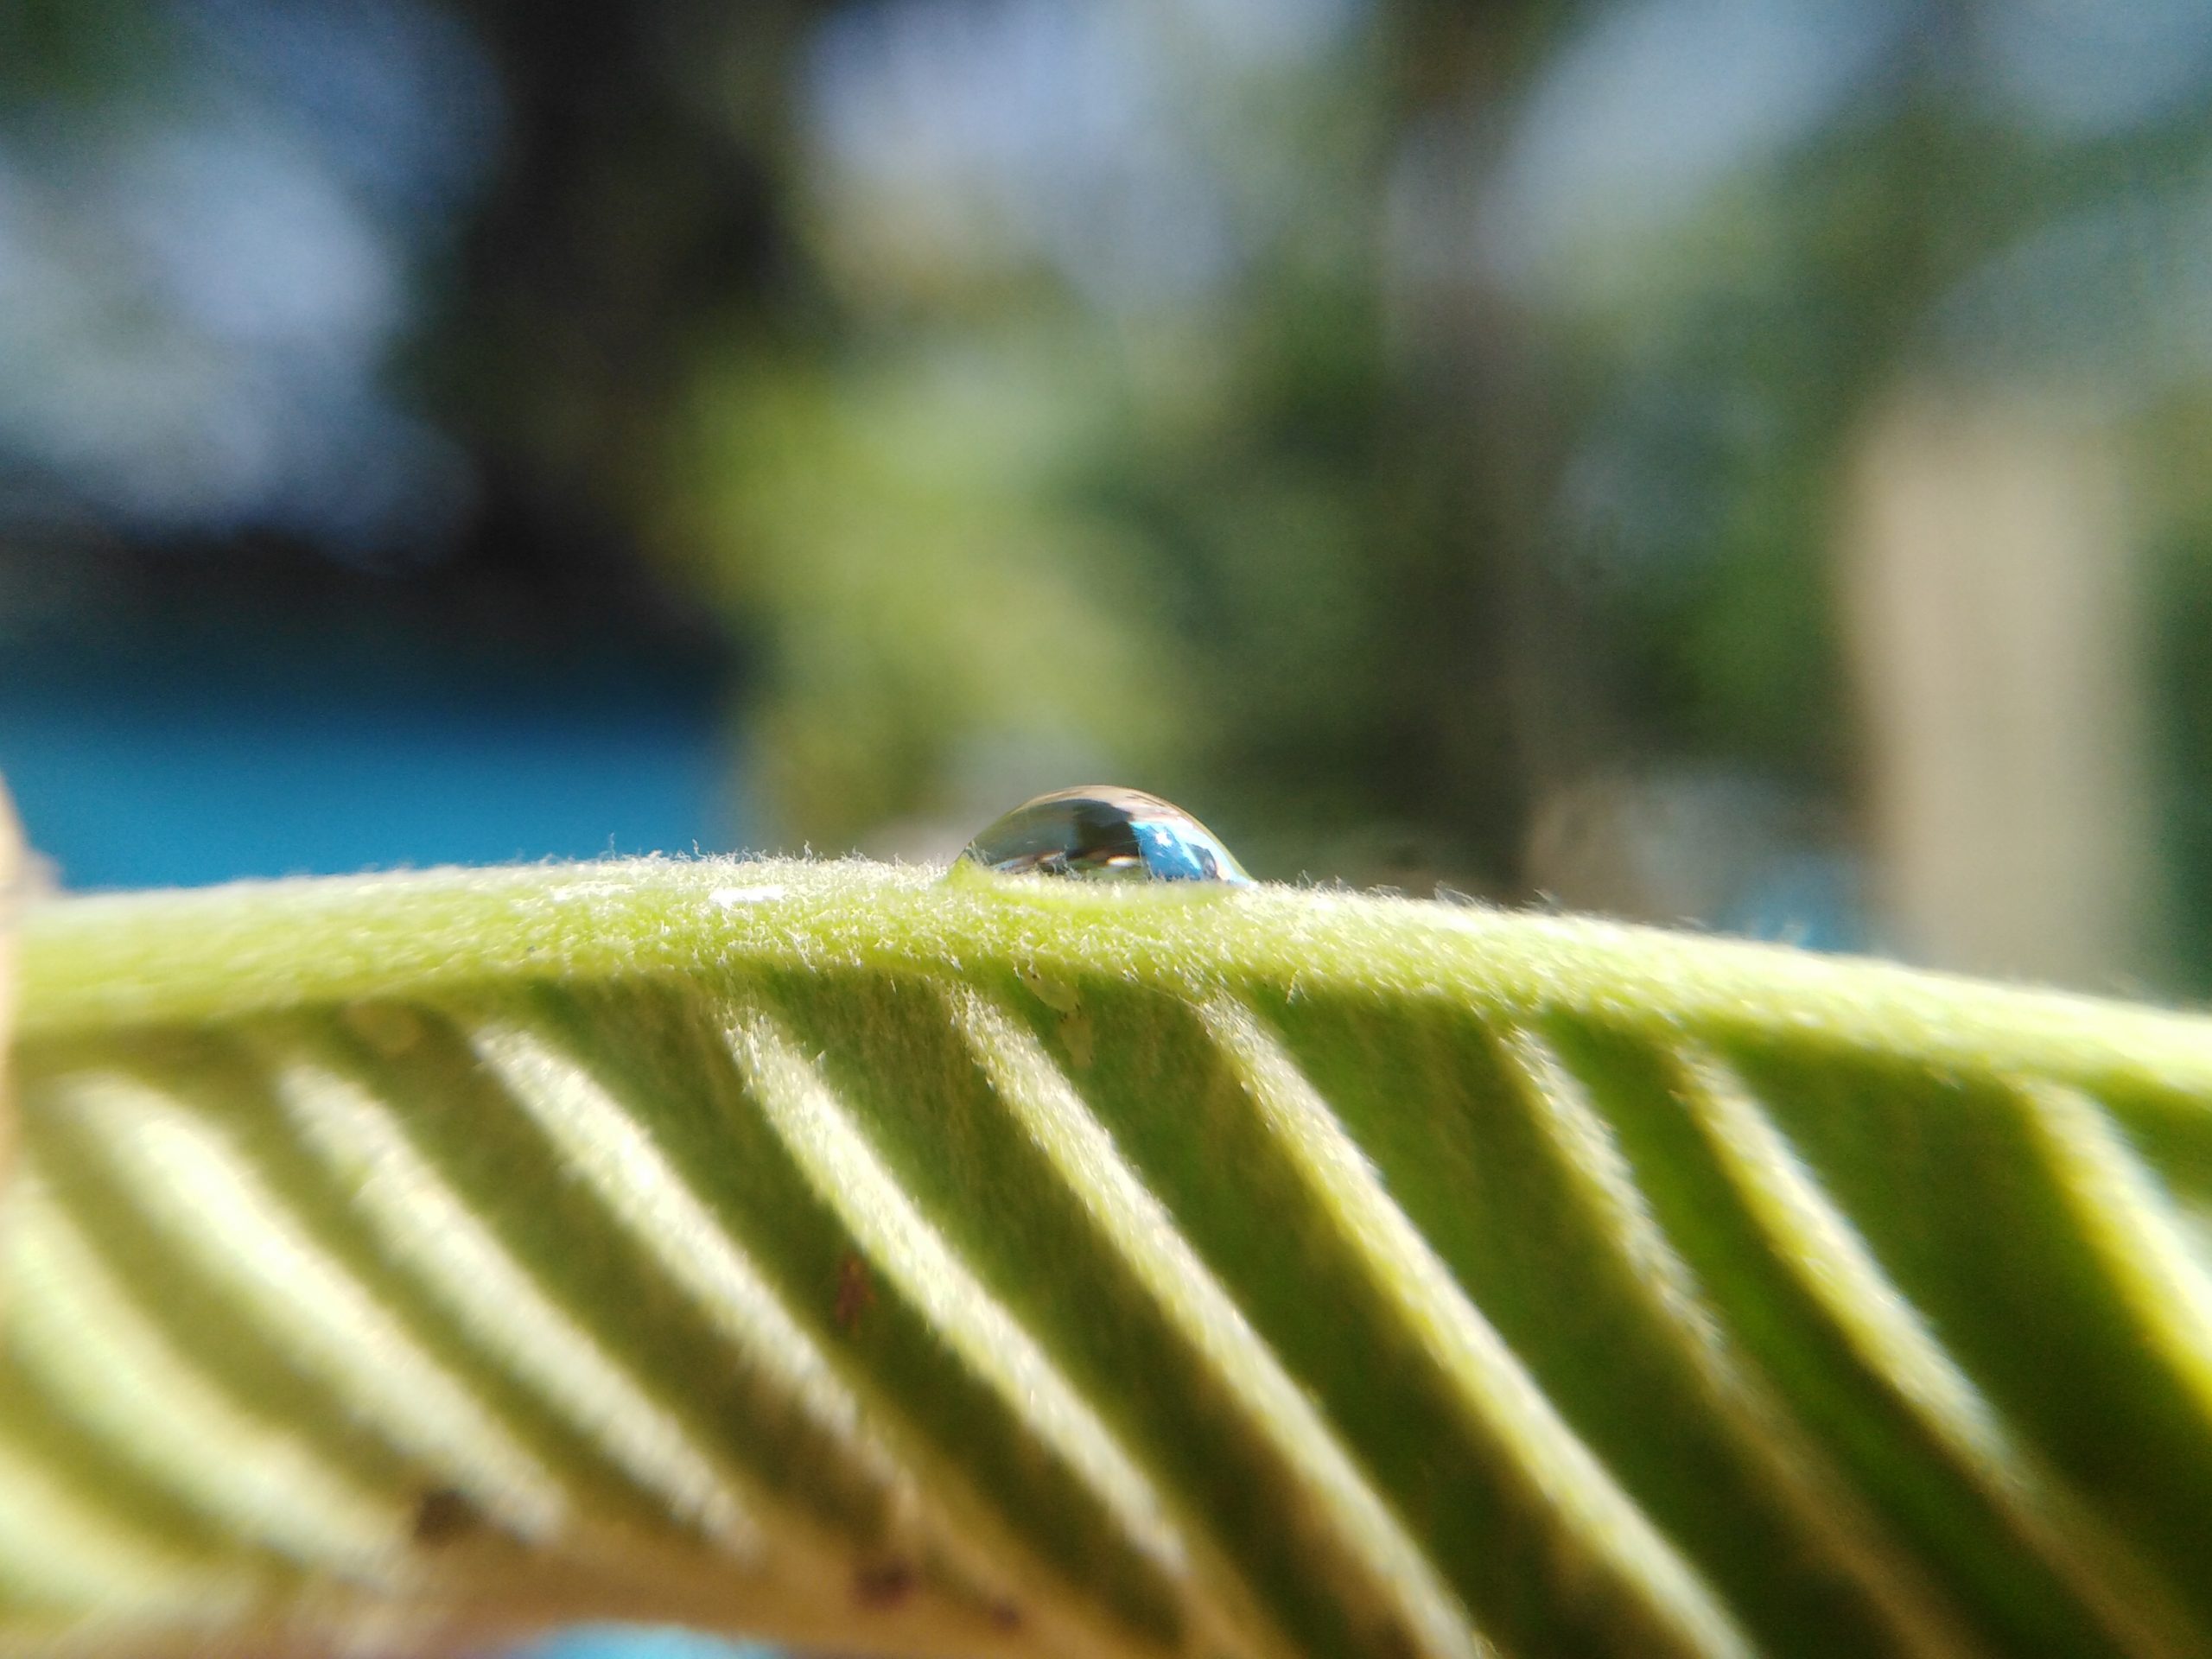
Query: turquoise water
point(141, 789)
point(639, 1642)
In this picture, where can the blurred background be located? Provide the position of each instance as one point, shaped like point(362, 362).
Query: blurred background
point(1738, 461)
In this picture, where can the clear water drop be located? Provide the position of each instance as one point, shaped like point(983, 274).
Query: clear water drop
point(1099, 832)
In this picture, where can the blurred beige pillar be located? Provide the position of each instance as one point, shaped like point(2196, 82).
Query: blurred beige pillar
point(1990, 592)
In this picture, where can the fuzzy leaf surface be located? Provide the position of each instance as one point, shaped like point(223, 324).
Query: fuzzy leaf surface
point(838, 1254)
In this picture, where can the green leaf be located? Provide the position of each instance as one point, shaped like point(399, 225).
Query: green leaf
point(829, 1252)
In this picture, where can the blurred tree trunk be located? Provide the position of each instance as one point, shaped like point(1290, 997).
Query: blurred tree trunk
point(1501, 648)
point(1990, 591)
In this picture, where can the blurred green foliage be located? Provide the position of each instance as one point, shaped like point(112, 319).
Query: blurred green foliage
point(1362, 419)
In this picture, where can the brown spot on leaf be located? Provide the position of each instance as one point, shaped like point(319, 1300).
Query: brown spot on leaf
point(883, 1584)
point(442, 1515)
point(855, 1293)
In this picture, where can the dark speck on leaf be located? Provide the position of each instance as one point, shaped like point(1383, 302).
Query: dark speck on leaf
point(442, 1515)
point(855, 1293)
point(883, 1584)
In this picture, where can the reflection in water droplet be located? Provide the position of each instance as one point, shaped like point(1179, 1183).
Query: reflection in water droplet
point(1103, 833)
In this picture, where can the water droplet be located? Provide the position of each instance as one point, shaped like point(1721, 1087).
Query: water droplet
point(1103, 833)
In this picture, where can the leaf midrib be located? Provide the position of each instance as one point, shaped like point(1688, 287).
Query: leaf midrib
point(179, 955)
